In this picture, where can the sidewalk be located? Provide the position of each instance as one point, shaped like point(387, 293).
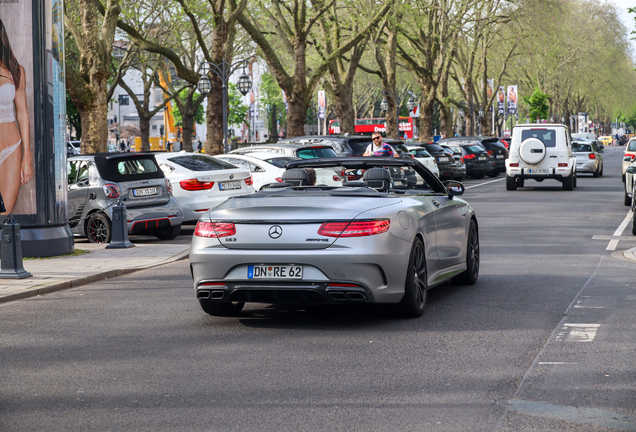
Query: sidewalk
point(54, 274)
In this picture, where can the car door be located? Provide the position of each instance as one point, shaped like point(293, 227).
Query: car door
point(78, 184)
point(451, 222)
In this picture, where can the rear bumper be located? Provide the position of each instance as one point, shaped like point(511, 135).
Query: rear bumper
point(481, 169)
point(587, 167)
point(150, 218)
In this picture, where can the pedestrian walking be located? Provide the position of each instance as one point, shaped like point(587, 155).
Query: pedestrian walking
point(199, 147)
point(122, 146)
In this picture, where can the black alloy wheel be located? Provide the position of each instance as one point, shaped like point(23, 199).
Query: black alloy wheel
point(227, 309)
point(471, 274)
point(98, 228)
point(413, 303)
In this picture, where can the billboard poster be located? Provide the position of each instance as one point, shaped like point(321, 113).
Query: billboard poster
point(512, 99)
point(582, 123)
point(490, 85)
point(501, 97)
point(322, 104)
point(285, 100)
point(17, 129)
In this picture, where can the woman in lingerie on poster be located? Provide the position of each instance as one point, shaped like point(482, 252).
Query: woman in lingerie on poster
point(16, 162)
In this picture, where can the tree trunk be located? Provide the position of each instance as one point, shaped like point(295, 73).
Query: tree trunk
point(447, 121)
point(188, 127)
point(297, 114)
point(426, 119)
point(273, 134)
point(214, 116)
point(144, 127)
point(344, 107)
point(95, 124)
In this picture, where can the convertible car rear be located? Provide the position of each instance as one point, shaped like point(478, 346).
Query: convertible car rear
point(386, 238)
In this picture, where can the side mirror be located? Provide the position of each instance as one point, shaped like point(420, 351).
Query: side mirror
point(454, 188)
point(631, 170)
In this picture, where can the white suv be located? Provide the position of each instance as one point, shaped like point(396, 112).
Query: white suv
point(539, 152)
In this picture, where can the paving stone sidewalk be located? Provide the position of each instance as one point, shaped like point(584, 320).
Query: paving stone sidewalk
point(53, 274)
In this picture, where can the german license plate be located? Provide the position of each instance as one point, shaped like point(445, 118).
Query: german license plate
point(482, 158)
point(268, 271)
point(229, 185)
point(145, 192)
point(443, 159)
point(538, 171)
point(500, 156)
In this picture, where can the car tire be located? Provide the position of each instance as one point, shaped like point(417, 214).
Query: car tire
point(471, 274)
point(511, 184)
point(575, 180)
point(600, 174)
point(568, 182)
point(627, 200)
point(215, 308)
point(595, 173)
point(623, 178)
point(413, 303)
point(168, 233)
point(634, 224)
point(98, 228)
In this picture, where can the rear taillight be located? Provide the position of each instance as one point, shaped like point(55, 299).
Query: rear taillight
point(195, 185)
point(490, 152)
point(514, 165)
point(214, 229)
point(630, 155)
point(592, 156)
point(354, 229)
point(111, 190)
point(248, 181)
point(168, 186)
point(561, 165)
point(336, 178)
point(279, 179)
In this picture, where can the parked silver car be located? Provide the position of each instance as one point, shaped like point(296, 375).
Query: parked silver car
point(297, 150)
point(97, 182)
point(588, 157)
point(376, 240)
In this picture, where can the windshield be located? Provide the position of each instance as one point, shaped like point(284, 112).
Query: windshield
point(314, 153)
point(433, 148)
point(632, 145)
point(473, 149)
point(545, 135)
point(420, 153)
point(576, 147)
point(200, 162)
point(280, 162)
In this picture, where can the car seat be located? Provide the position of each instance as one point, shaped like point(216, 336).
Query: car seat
point(296, 177)
point(378, 179)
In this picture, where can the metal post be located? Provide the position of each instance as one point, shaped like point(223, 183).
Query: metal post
point(118, 121)
point(11, 255)
point(119, 237)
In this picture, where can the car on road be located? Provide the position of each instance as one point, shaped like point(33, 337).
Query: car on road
point(540, 152)
point(424, 157)
point(374, 240)
point(296, 150)
point(629, 156)
point(606, 140)
point(268, 168)
point(448, 167)
point(588, 157)
point(96, 182)
point(497, 153)
point(201, 182)
point(475, 157)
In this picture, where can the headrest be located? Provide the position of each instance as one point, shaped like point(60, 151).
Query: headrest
point(296, 177)
point(377, 174)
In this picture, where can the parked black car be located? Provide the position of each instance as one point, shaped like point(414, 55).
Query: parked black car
point(497, 153)
point(448, 168)
point(475, 157)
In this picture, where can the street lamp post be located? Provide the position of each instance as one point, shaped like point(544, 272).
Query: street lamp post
point(224, 70)
point(385, 106)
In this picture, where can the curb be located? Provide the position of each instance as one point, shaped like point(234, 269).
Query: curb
point(59, 286)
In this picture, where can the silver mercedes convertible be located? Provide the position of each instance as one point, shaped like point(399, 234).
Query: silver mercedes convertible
point(387, 235)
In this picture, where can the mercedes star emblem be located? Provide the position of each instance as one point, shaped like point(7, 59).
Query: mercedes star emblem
point(275, 231)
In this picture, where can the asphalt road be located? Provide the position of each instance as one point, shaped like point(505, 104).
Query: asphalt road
point(545, 341)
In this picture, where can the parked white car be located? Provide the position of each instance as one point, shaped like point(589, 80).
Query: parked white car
point(630, 155)
point(268, 167)
point(539, 152)
point(201, 182)
point(424, 158)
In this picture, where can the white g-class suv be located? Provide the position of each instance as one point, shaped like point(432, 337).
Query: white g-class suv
point(539, 152)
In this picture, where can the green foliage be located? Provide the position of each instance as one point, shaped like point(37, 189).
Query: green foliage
point(271, 94)
point(73, 116)
point(237, 110)
point(199, 116)
point(538, 105)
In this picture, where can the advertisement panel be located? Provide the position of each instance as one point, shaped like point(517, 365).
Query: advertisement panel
point(512, 100)
point(17, 129)
point(501, 100)
point(33, 177)
point(322, 104)
point(490, 85)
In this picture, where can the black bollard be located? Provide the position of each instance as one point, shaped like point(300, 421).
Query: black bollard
point(11, 254)
point(119, 238)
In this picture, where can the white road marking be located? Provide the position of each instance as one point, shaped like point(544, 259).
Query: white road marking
point(619, 231)
point(556, 363)
point(586, 301)
point(579, 332)
point(488, 182)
